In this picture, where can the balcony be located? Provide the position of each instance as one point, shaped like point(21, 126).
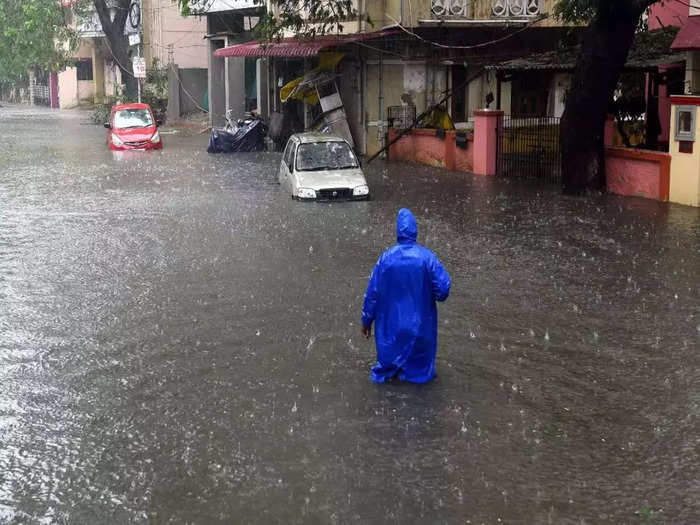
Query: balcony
point(516, 8)
point(456, 9)
point(480, 12)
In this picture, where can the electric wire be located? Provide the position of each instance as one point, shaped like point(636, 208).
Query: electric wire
point(473, 46)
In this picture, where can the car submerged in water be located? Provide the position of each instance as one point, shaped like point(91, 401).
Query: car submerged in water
point(319, 166)
point(133, 127)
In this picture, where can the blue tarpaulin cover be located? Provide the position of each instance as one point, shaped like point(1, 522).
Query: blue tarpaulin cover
point(246, 138)
point(400, 301)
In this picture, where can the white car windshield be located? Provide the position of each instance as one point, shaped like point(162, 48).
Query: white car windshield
point(132, 118)
point(315, 156)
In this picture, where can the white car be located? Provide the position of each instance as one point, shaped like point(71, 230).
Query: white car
point(323, 167)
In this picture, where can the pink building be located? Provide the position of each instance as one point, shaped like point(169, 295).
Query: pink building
point(671, 77)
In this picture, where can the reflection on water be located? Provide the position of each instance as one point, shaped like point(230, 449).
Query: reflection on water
point(179, 342)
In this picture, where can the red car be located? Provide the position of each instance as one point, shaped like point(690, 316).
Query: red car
point(133, 127)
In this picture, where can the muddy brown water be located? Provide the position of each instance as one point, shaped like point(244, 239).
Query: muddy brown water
point(180, 343)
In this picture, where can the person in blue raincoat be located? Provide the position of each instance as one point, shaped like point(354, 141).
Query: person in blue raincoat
point(400, 300)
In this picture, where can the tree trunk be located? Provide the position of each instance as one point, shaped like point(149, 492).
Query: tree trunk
point(604, 49)
point(117, 41)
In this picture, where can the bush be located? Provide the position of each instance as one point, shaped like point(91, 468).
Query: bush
point(101, 113)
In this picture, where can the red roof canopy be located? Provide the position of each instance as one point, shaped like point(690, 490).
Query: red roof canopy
point(293, 47)
point(688, 37)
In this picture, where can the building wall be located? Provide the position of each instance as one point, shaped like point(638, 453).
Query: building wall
point(423, 84)
point(113, 79)
point(424, 146)
point(86, 90)
point(482, 86)
point(685, 167)
point(84, 49)
point(638, 173)
point(389, 11)
point(68, 88)
point(166, 29)
point(561, 82)
point(193, 85)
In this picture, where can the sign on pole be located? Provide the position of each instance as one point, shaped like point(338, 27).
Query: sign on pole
point(134, 38)
point(139, 64)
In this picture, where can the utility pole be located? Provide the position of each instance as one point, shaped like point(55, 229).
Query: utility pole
point(139, 79)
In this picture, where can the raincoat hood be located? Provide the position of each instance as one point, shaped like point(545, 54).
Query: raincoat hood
point(406, 227)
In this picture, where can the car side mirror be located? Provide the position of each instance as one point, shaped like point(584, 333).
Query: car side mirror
point(159, 123)
point(107, 125)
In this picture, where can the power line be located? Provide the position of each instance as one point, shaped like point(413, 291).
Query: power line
point(473, 46)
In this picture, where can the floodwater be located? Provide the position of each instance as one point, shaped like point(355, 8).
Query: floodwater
point(180, 343)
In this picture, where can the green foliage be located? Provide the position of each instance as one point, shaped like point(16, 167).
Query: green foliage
point(583, 11)
point(304, 18)
point(155, 89)
point(101, 113)
point(33, 34)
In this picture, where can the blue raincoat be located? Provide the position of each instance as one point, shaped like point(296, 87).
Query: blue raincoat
point(400, 300)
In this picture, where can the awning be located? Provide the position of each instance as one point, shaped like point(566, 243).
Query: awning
point(649, 50)
point(688, 37)
point(293, 47)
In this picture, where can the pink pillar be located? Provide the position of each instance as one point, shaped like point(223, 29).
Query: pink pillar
point(609, 136)
point(487, 126)
point(53, 89)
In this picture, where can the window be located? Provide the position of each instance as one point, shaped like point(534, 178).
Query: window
point(84, 69)
point(530, 94)
point(289, 154)
point(685, 123)
point(324, 156)
point(132, 118)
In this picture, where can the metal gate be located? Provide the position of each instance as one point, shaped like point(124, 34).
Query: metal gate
point(530, 147)
point(39, 89)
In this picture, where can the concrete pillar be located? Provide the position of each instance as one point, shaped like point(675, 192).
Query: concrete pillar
point(487, 134)
point(149, 11)
point(217, 93)
point(261, 73)
point(684, 184)
point(98, 71)
point(173, 92)
point(235, 86)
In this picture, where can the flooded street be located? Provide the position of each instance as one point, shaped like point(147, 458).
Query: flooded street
point(180, 343)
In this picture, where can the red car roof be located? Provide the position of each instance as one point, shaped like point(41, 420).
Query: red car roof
point(133, 105)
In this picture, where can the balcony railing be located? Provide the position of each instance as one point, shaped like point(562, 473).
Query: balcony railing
point(469, 9)
point(516, 8)
point(450, 8)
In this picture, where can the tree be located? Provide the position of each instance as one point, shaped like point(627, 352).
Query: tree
point(33, 34)
point(304, 18)
point(117, 41)
point(603, 53)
